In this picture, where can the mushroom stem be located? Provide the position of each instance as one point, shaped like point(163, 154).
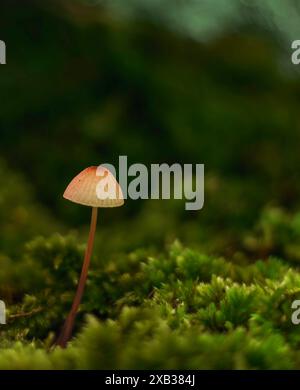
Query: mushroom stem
point(69, 323)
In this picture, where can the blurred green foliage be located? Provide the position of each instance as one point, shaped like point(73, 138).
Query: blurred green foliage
point(81, 88)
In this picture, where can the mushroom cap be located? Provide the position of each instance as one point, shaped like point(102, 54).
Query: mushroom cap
point(88, 189)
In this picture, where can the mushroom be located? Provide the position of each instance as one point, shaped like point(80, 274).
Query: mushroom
point(88, 189)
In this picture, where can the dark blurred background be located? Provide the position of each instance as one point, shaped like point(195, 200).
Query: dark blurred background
point(159, 81)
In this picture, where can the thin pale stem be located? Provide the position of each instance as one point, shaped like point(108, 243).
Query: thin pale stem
point(67, 329)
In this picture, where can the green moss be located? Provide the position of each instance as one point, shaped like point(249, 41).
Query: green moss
point(178, 309)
